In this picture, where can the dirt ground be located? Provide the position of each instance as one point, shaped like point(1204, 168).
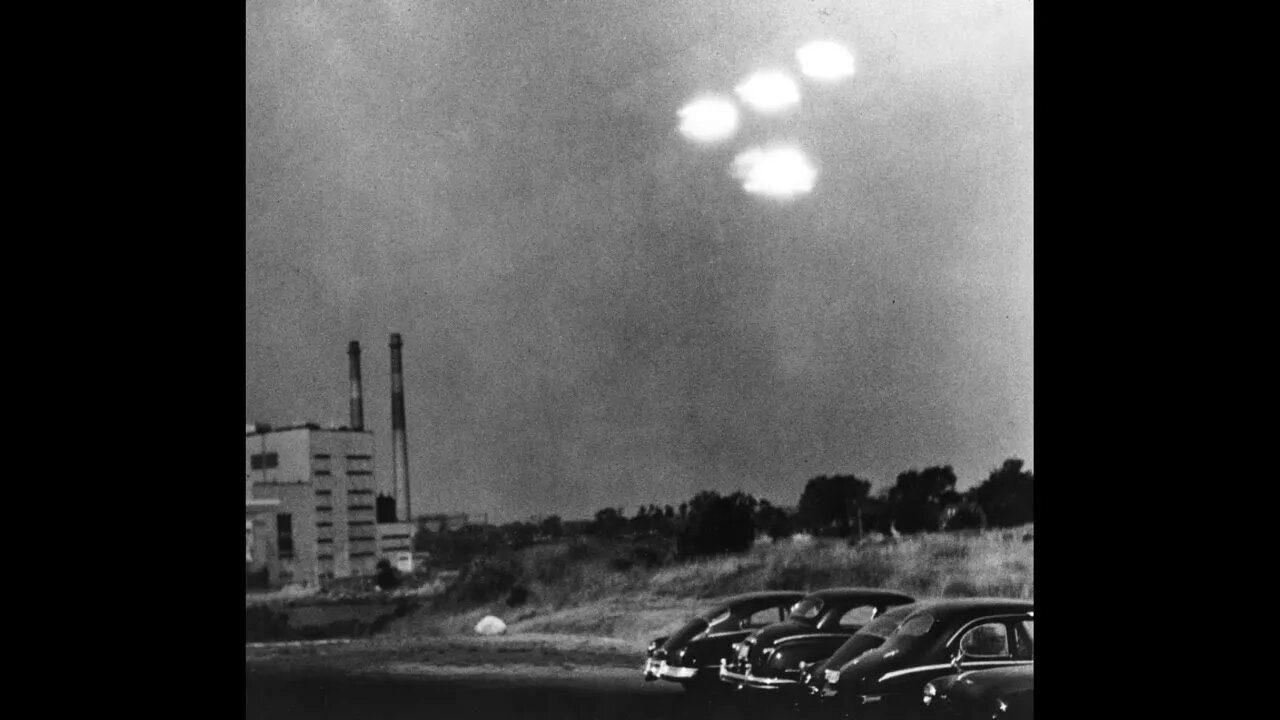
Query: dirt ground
point(529, 653)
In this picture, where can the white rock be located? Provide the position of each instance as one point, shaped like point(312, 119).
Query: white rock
point(491, 625)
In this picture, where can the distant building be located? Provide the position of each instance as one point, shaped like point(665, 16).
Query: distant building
point(259, 524)
point(451, 522)
point(321, 481)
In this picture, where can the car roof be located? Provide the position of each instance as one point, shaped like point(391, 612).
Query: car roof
point(853, 593)
point(960, 606)
point(762, 596)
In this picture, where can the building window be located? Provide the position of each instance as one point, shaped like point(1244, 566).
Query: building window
point(356, 523)
point(359, 457)
point(324, 523)
point(284, 536)
point(362, 554)
point(324, 493)
point(359, 472)
point(324, 541)
point(361, 538)
point(323, 473)
point(322, 456)
point(359, 507)
point(324, 508)
point(263, 461)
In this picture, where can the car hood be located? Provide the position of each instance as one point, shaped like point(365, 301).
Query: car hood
point(770, 634)
point(870, 665)
point(687, 632)
point(852, 648)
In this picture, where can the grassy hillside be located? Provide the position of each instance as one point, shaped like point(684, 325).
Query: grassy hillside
point(579, 590)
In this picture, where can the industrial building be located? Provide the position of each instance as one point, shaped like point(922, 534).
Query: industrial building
point(311, 493)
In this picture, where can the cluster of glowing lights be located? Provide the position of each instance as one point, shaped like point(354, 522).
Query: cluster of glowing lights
point(769, 92)
point(778, 170)
point(825, 60)
point(709, 119)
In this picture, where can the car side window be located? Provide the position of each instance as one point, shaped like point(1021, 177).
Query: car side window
point(762, 617)
point(988, 640)
point(1024, 633)
point(858, 616)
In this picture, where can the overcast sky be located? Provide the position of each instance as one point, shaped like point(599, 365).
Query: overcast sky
point(594, 312)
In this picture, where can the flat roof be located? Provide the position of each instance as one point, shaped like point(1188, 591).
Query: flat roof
point(314, 427)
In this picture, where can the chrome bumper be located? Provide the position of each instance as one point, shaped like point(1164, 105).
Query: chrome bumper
point(824, 691)
point(752, 681)
point(655, 669)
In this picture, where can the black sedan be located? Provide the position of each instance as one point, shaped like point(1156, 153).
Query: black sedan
point(774, 657)
point(997, 694)
point(691, 656)
point(886, 666)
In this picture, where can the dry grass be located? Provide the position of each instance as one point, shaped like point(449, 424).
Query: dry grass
point(574, 591)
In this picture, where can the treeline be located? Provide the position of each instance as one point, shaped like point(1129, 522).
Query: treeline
point(710, 523)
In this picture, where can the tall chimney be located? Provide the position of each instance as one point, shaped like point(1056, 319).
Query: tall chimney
point(357, 395)
point(399, 448)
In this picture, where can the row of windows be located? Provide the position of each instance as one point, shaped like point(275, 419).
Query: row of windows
point(359, 507)
point(262, 461)
point(284, 536)
point(362, 538)
point(362, 554)
point(355, 523)
point(396, 537)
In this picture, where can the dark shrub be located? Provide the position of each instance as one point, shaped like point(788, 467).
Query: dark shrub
point(621, 564)
point(646, 556)
point(387, 577)
point(263, 624)
point(518, 596)
point(485, 580)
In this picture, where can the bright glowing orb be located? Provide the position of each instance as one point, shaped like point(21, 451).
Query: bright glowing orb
point(709, 119)
point(825, 60)
point(779, 172)
point(769, 91)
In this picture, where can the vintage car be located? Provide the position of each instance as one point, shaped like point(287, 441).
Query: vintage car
point(887, 664)
point(691, 656)
point(997, 694)
point(772, 658)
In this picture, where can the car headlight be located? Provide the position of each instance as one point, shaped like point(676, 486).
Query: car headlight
point(832, 676)
point(1001, 706)
point(930, 692)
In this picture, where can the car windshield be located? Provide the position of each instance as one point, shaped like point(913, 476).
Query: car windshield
point(807, 609)
point(911, 631)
